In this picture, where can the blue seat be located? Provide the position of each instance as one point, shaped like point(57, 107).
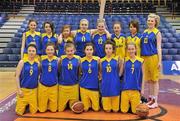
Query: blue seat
point(11, 45)
point(3, 57)
point(165, 51)
point(176, 45)
point(167, 57)
point(176, 57)
point(16, 50)
point(18, 45)
point(16, 39)
point(167, 45)
point(14, 57)
point(172, 40)
point(172, 51)
point(178, 51)
point(7, 51)
point(164, 40)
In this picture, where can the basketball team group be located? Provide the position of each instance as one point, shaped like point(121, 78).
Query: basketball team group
point(102, 70)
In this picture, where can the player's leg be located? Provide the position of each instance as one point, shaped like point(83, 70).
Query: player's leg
point(53, 98)
point(134, 100)
point(124, 101)
point(106, 103)
point(42, 98)
point(115, 103)
point(94, 97)
point(85, 99)
point(32, 99)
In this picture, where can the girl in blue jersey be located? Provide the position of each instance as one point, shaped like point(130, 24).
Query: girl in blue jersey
point(68, 77)
point(111, 69)
point(27, 73)
point(99, 38)
point(63, 38)
point(132, 81)
point(134, 37)
point(48, 36)
point(81, 37)
point(31, 36)
point(89, 90)
point(48, 87)
point(152, 55)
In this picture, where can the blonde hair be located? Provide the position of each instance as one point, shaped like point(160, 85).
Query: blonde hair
point(101, 21)
point(156, 17)
point(84, 20)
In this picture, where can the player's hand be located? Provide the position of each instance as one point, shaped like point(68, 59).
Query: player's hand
point(20, 93)
point(159, 65)
point(60, 39)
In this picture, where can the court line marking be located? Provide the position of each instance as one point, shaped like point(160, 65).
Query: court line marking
point(163, 111)
point(11, 94)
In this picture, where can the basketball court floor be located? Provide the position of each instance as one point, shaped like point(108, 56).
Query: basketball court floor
point(169, 105)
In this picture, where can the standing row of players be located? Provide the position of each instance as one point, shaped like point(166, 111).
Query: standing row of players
point(149, 42)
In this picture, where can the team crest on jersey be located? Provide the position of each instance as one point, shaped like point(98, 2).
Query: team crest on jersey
point(49, 67)
point(83, 39)
point(100, 40)
point(89, 70)
point(70, 67)
point(108, 68)
point(31, 71)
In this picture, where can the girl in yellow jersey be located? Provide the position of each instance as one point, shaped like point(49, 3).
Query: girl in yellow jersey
point(134, 37)
point(119, 39)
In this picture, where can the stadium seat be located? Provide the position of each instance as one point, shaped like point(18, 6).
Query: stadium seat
point(166, 57)
point(176, 57)
point(7, 51)
point(167, 45)
point(172, 51)
point(3, 57)
point(13, 57)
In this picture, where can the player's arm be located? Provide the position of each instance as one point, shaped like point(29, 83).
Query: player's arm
point(100, 70)
point(121, 67)
point(159, 40)
point(17, 76)
point(143, 83)
point(73, 33)
point(59, 39)
point(59, 64)
point(23, 44)
point(80, 69)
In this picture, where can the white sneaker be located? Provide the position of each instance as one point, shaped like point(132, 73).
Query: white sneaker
point(154, 105)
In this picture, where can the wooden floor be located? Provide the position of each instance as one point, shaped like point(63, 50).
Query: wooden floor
point(166, 112)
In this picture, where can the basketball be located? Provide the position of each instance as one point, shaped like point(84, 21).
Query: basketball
point(77, 107)
point(142, 110)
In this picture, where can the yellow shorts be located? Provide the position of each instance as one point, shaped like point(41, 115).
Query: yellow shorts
point(29, 98)
point(151, 71)
point(67, 94)
point(90, 98)
point(25, 57)
point(129, 97)
point(47, 98)
point(111, 103)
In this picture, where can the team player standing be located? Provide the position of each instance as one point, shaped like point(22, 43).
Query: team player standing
point(94, 73)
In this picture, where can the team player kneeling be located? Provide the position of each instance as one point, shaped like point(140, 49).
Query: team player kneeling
point(51, 83)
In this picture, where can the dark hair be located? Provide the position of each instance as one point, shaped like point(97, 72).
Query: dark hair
point(32, 20)
point(117, 22)
point(32, 45)
point(135, 24)
point(51, 26)
point(89, 44)
point(111, 43)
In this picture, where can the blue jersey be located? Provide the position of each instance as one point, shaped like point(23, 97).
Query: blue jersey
point(110, 85)
point(89, 79)
point(61, 46)
point(33, 39)
point(29, 75)
point(49, 74)
point(80, 41)
point(132, 74)
point(69, 70)
point(98, 41)
point(149, 42)
point(46, 39)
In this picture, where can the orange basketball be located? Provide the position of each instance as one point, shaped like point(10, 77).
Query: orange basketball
point(77, 107)
point(142, 110)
